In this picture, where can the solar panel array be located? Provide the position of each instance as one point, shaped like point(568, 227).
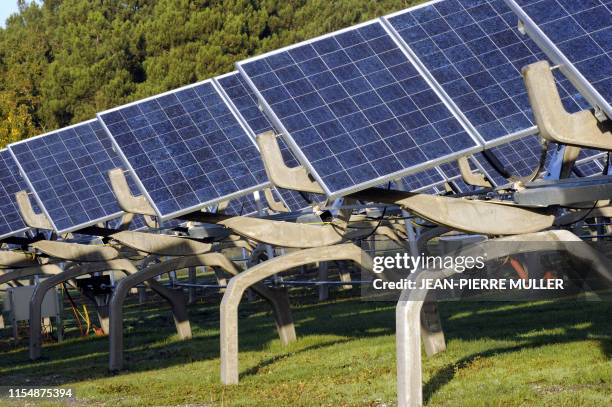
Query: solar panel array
point(473, 51)
point(11, 222)
point(186, 149)
point(400, 97)
point(355, 108)
point(66, 170)
point(577, 34)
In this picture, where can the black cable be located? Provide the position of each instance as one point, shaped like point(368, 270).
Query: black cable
point(382, 217)
point(584, 217)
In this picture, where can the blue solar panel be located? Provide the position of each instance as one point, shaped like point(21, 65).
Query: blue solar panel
point(589, 167)
point(473, 51)
point(244, 100)
point(422, 179)
point(461, 187)
point(355, 110)
point(67, 172)
point(578, 36)
point(186, 149)
point(519, 157)
point(10, 183)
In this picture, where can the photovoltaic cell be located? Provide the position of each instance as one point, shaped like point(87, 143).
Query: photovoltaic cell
point(186, 149)
point(241, 96)
point(67, 172)
point(355, 110)
point(11, 182)
point(473, 50)
point(578, 36)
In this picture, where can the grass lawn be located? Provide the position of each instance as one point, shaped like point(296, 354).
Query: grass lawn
point(554, 353)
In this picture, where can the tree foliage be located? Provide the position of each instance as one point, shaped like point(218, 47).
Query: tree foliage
point(61, 61)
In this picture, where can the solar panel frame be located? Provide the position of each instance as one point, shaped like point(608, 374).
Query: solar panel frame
point(138, 181)
point(478, 143)
point(559, 58)
point(9, 176)
point(567, 96)
point(40, 201)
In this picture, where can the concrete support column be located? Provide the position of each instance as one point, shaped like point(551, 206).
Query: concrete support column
point(323, 276)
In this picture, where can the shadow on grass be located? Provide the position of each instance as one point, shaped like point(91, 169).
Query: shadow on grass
point(150, 343)
point(270, 361)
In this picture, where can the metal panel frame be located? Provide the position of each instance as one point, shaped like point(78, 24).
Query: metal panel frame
point(139, 183)
point(434, 83)
point(558, 58)
point(39, 201)
point(302, 158)
point(15, 232)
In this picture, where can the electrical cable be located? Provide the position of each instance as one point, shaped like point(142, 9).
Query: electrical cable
point(584, 217)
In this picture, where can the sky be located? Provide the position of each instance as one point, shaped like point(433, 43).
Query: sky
point(7, 7)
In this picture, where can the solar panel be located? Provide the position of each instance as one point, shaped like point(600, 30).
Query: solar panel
point(186, 149)
point(577, 35)
point(11, 222)
point(355, 110)
point(590, 162)
point(423, 179)
point(67, 172)
point(472, 50)
point(589, 167)
point(461, 187)
point(244, 101)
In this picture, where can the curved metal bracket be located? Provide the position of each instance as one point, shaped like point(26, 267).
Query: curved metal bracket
point(127, 201)
point(42, 269)
point(470, 177)
point(15, 259)
point(76, 252)
point(284, 234)
point(161, 245)
point(276, 206)
point(240, 283)
point(277, 299)
point(31, 218)
point(296, 178)
point(580, 129)
point(482, 217)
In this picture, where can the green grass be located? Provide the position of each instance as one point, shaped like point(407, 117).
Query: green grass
point(554, 353)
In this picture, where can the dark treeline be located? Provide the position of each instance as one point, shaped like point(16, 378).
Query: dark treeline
point(61, 61)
